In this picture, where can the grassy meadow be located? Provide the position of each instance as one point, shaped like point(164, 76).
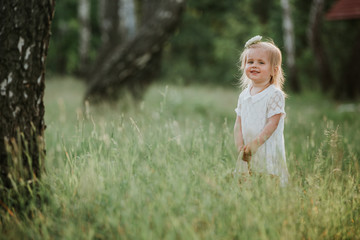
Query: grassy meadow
point(162, 170)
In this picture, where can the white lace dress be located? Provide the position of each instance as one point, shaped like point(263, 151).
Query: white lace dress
point(254, 112)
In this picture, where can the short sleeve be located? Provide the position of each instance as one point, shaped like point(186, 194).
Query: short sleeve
point(276, 104)
point(238, 108)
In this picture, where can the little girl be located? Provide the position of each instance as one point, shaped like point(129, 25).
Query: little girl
point(259, 126)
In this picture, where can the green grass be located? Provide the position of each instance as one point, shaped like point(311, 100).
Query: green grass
point(161, 170)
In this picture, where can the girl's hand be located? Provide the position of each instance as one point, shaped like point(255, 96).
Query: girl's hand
point(249, 150)
point(246, 157)
point(242, 156)
point(246, 154)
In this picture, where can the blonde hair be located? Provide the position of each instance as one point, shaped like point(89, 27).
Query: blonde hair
point(277, 77)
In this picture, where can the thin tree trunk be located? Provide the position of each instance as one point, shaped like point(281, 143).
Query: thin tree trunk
point(314, 36)
point(289, 41)
point(109, 21)
point(85, 34)
point(111, 32)
point(134, 64)
point(24, 38)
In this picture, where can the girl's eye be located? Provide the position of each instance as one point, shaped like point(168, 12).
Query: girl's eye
point(250, 62)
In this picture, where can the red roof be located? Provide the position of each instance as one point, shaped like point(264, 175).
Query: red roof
point(344, 9)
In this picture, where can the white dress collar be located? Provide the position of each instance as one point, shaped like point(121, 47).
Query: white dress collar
point(259, 95)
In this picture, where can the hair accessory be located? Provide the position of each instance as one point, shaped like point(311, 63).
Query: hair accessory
point(253, 40)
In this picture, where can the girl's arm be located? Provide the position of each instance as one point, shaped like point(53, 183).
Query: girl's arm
point(238, 137)
point(268, 130)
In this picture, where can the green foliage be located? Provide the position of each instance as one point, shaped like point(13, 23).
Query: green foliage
point(63, 54)
point(209, 41)
point(162, 170)
point(207, 45)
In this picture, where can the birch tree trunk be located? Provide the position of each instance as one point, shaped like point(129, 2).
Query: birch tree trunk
point(85, 34)
point(289, 41)
point(133, 64)
point(314, 38)
point(24, 38)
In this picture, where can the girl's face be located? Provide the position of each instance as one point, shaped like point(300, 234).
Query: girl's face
point(257, 67)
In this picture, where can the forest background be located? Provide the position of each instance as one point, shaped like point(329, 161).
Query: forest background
point(162, 168)
point(206, 46)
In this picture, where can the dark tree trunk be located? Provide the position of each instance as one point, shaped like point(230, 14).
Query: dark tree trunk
point(349, 86)
point(111, 33)
point(134, 64)
point(109, 20)
point(148, 9)
point(314, 35)
point(24, 38)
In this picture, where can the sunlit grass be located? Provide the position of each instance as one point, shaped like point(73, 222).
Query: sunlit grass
point(161, 170)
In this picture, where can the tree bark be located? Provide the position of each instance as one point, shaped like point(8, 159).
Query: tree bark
point(24, 38)
point(314, 37)
point(134, 64)
point(85, 34)
point(289, 41)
